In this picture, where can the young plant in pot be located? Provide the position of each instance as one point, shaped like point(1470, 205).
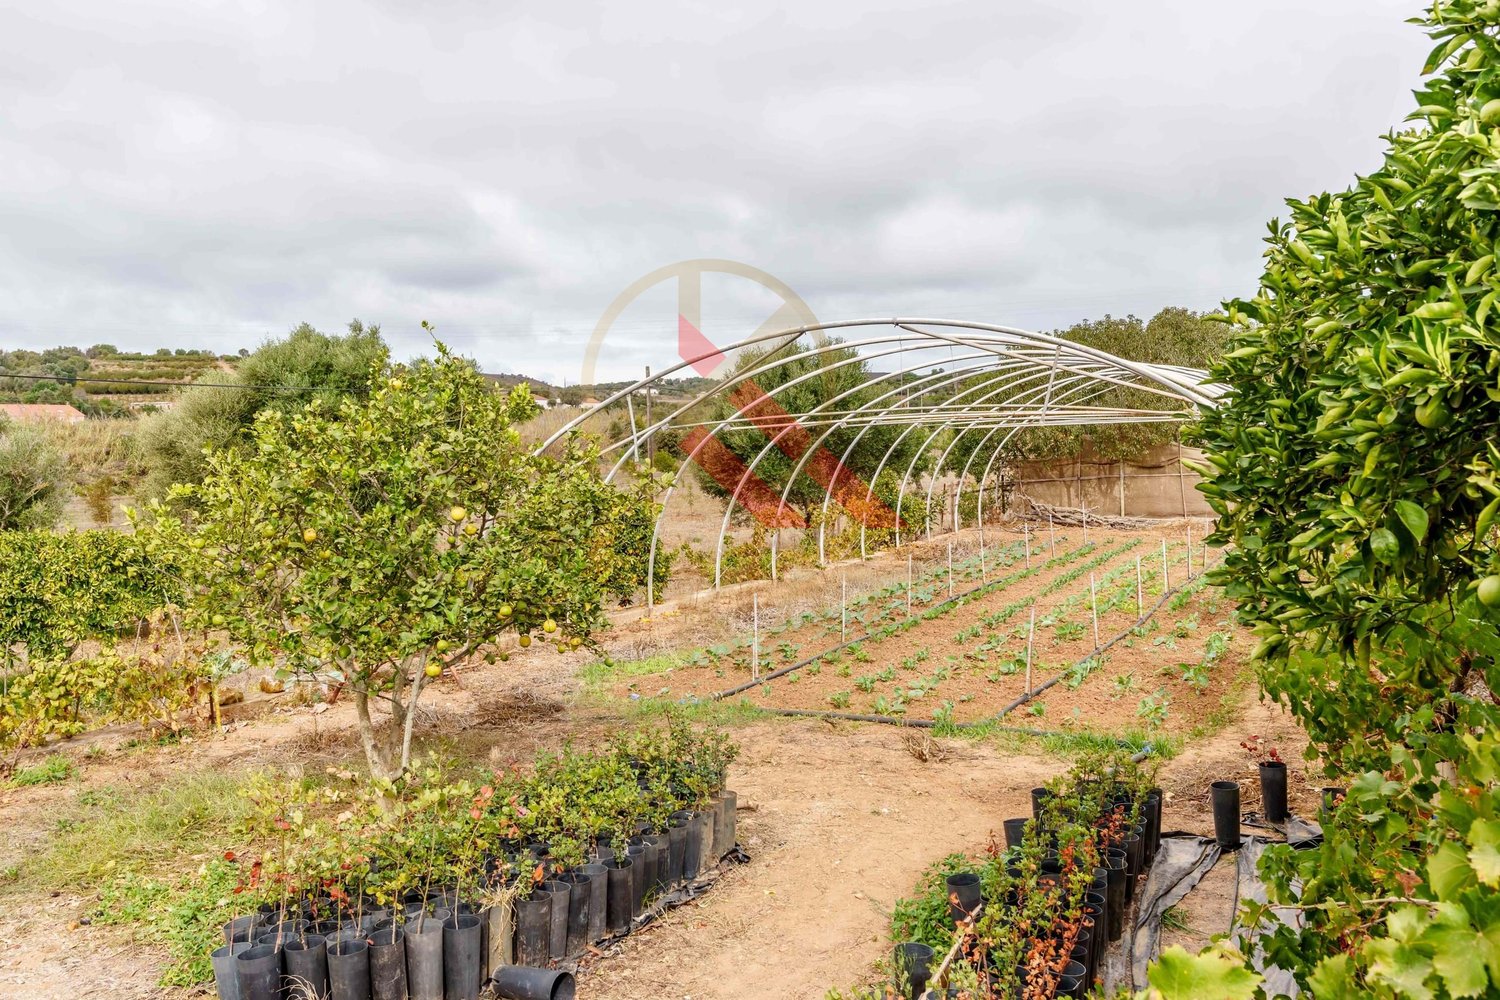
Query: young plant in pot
point(1273, 773)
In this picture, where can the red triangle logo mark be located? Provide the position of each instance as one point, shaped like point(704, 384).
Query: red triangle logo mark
point(697, 349)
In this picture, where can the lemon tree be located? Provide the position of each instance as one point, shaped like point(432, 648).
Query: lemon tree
point(382, 541)
point(1353, 467)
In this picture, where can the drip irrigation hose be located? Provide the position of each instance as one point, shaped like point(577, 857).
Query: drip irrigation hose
point(891, 720)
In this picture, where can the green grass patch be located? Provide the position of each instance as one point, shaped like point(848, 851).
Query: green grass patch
point(599, 673)
point(55, 769)
point(723, 713)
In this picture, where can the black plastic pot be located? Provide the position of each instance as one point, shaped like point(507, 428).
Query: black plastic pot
point(1039, 796)
point(1087, 933)
point(598, 900)
point(349, 970)
point(388, 963)
point(258, 971)
point(913, 963)
point(241, 928)
point(1151, 815)
point(963, 896)
point(659, 866)
point(305, 968)
point(1273, 791)
point(1096, 905)
point(1135, 854)
point(729, 804)
point(226, 968)
point(579, 903)
point(1072, 982)
point(498, 940)
point(1015, 830)
point(517, 982)
point(1226, 803)
point(677, 838)
point(1118, 874)
point(557, 936)
point(424, 958)
point(700, 827)
point(617, 915)
point(462, 946)
point(534, 929)
point(635, 853)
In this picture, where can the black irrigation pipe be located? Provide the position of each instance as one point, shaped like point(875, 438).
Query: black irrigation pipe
point(783, 671)
point(892, 720)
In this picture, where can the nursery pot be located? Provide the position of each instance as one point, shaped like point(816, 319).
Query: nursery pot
point(499, 923)
point(534, 928)
point(913, 964)
point(461, 949)
point(1273, 791)
point(1226, 803)
point(963, 896)
point(241, 928)
point(1135, 857)
point(349, 969)
point(700, 834)
point(1072, 982)
point(729, 804)
point(618, 909)
point(636, 855)
point(598, 900)
point(306, 968)
point(1153, 824)
point(1039, 797)
point(258, 970)
point(388, 963)
point(226, 968)
point(580, 898)
point(424, 958)
point(1083, 949)
point(1015, 831)
point(518, 982)
point(1118, 875)
point(677, 838)
point(561, 893)
point(1097, 907)
point(660, 868)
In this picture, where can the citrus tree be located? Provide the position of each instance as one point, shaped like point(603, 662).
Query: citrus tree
point(379, 542)
point(1353, 467)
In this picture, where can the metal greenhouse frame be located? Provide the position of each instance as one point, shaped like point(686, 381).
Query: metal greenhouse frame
point(998, 380)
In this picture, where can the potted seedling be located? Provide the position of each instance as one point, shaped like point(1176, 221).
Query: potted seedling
point(1272, 778)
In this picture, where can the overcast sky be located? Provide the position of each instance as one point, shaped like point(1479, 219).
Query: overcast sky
point(208, 174)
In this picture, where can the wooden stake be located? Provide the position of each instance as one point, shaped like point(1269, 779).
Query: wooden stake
point(950, 569)
point(1030, 639)
point(1051, 535)
point(755, 637)
point(1140, 603)
point(1094, 604)
point(908, 583)
point(844, 609)
point(1085, 525)
point(1188, 531)
point(1026, 531)
point(983, 574)
point(1166, 578)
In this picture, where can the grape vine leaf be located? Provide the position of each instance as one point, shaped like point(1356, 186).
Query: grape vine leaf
point(1448, 871)
point(1333, 979)
point(1213, 975)
point(1460, 952)
point(1484, 839)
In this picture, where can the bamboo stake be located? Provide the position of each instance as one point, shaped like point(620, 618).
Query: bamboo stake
point(950, 569)
point(1140, 603)
point(908, 584)
point(1030, 641)
point(1166, 577)
point(1026, 531)
point(844, 609)
point(1094, 604)
point(1051, 535)
point(983, 573)
point(1188, 533)
point(755, 637)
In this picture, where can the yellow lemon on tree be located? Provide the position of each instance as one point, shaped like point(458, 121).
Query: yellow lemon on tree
point(433, 669)
point(549, 626)
point(456, 514)
point(309, 535)
point(471, 530)
point(525, 640)
point(443, 645)
point(505, 611)
point(575, 642)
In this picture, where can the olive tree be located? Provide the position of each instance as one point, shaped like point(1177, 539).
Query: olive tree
point(383, 540)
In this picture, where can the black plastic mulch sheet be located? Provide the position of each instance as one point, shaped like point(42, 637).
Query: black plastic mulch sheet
point(1180, 865)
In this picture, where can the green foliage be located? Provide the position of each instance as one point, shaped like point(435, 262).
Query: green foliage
point(33, 479)
point(1218, 972)
point(208, 418)
point(397, 534)
point(57, 589)
point(1354, 472)
point(54, 769)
